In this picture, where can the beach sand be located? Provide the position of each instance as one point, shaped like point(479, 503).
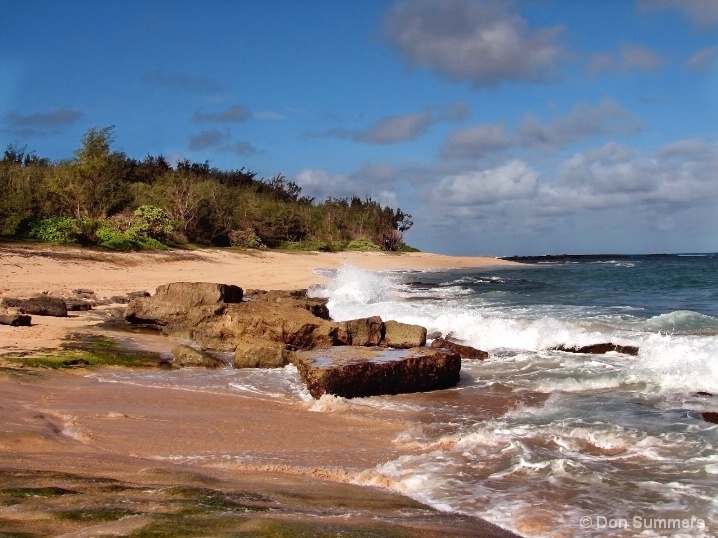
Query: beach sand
point(81, 456)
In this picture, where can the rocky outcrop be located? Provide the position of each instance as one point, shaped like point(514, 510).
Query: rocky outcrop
point(403, 335)
point(465, 352)
point(351, 372)
point(186, 356)
point(15, 320)
point(260, 353)
point(360, 332)
point(182, 303)
point(267, 329)
point(598, 349)
point(42, 305)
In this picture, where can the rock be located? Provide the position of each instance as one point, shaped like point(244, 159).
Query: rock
point(298, 298)
point(598, 349)
point(77, 305)
point(184, 302)
point(360, 332)
point(434, 335)
point(352, 372)
point(44, 305)
point(259, 353)
point(403, 335)
point(280, 322)
point(710, 416)
point(465, 352)
point(188, 356)
point(84, 293)
point(15, 320)
point(134, 294)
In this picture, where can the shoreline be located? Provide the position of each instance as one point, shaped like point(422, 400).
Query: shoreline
point(69, 429)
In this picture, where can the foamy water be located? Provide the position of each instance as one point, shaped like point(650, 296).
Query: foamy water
point(603, 445)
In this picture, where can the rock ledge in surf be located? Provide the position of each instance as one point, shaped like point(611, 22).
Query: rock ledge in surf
point(598, 349)
point(353, 372)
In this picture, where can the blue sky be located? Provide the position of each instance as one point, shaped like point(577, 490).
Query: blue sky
point(526, 127)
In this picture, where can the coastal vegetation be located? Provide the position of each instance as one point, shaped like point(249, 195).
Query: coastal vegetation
point(101, 197)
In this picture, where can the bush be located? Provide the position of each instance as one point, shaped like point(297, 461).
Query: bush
point(362, 244)
point(152, 222)
point(53, 229)
point(245, 239)
point(310, 246)
point(112, 239)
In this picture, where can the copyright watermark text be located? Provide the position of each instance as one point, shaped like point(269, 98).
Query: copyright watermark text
point(640, 522)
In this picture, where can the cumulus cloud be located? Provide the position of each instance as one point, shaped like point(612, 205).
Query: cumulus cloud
point(365, 181)
point(702, 60)
point(630, 57)
point(702, 13)
point(476, 141)
point(511, 181)
point(584, 121)
point(182, 82)
point(395, 129)
point(676, 176)
point(233, 114)
point(52, 118)
point(608, 117)
point(208, 139)
point(483, 42)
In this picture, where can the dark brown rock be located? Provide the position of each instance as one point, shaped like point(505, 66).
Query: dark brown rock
point(15, 320)
point(260, 353)
point(361, 332)
point(403, 335)
point(189, 356)
point(465, 352)
point(598, 349)
point(354, 372)
point(710, 416)
point(77, 305)
point(42, 305)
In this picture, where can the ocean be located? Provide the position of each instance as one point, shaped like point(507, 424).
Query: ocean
point(536, 440)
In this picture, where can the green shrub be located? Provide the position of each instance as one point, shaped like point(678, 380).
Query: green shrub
point(112, 239)
point(55, 229)
point(362, 244)
point(153, 222)
point(246, 238)
point(310, 245)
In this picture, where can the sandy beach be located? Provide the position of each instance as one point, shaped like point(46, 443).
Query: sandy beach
point(137, 451)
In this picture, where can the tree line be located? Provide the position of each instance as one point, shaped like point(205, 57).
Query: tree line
point(103, 197)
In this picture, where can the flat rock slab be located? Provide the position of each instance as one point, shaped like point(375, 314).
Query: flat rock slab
point(353, 372)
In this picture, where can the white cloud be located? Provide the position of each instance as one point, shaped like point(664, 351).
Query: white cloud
point(482, 42)
point(508, 182)
point(367, 180)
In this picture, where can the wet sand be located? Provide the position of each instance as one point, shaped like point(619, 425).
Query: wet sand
point(81, 457)
point(137, 457)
